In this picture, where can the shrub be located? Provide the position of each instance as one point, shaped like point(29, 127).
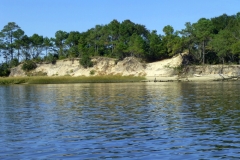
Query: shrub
point(4, 70)
point(92, 72)
point(52, 58)
point(37, 59)
point(62, 57)
point(85, 61)
point(14, 62)
point(29, 65)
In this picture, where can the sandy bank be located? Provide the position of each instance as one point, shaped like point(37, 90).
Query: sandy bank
point(196, 78)
point(165, 70)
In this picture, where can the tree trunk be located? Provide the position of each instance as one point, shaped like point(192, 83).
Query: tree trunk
point(222, 65)
point(11, 48)
point(46, 52)
point(18, 54)
point(97, 50)
point(203, 52)
point(112, 48)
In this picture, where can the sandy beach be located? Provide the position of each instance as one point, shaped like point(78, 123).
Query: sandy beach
point(210, 77)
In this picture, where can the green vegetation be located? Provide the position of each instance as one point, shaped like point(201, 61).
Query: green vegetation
point(29, 65)
point(14, 62)
point(13, 80)
point(208, 41)
point(51, 58)
point(4, 70)
point(68, 79)
point(92, 72)
point(85, 61)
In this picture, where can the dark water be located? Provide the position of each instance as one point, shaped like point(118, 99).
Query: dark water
point(122, 121)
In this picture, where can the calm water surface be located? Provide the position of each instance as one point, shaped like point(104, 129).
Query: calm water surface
point(120, 121)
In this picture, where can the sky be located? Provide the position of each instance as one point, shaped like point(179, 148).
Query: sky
point(45, 17)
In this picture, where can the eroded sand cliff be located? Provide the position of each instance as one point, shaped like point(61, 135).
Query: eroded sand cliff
point(168, 68)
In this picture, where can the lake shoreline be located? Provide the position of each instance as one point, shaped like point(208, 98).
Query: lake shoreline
point(68, 79)
point(194, 78)
point(112, 79)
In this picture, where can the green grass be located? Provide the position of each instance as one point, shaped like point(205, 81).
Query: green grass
point(68, 79)
point(13, 80)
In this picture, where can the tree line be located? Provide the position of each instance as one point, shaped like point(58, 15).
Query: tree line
point(211, 41)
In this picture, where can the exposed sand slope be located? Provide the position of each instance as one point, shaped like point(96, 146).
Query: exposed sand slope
point(162, 70)
point(102, 66)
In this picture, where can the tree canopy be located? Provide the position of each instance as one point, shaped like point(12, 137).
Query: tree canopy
point(215, 40)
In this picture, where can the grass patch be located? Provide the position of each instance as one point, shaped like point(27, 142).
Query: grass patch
point(68, 79)
point(13, 80)
point(92, 72)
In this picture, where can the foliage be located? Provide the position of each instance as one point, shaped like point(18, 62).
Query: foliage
point(92, 72)
point(13, 63)
point(7, 34)
point(37, 59)
point(68, 79)
point(4, 70)
point(212, 40)
point(203, 30)
point(156, 47)
point(85, 61)
point(59, 40)
point(172, 41)
point(51, 58)
point(29, 65)
point(36, 43)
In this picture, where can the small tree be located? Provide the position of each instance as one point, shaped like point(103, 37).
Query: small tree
point(4, 70)
point(29, 65)
point(51, 58)
point(14, 62)
point(85, 61)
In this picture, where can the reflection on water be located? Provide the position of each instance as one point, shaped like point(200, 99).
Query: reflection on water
point(128, 121)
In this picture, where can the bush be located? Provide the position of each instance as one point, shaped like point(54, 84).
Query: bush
point(29, 65)
point(52, 58)
point(14, 62)
point(85, 61)
point(92, 72)
point(62, 57)
point(37, 59)
point(4, 70)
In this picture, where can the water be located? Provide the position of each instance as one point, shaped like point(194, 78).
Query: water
point(120, 121)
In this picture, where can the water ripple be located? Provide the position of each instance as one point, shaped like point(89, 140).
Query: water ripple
point(120, 121)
